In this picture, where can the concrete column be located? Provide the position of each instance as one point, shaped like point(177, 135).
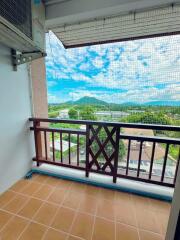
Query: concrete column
point(39, 97)
point(39, 88)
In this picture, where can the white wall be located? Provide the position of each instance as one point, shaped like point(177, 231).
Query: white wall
point(16, 140)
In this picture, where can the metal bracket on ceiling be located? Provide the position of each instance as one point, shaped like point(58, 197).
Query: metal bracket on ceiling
point(25, 57)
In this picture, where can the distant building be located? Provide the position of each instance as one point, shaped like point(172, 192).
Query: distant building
point(136, 111)
point(147, 146)
point(64, 114)
point(65, 145)
point(112, 114)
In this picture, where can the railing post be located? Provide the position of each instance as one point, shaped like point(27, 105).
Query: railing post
point(37, 138)
point(116, 157)
point(87, 149)
point(177, 167)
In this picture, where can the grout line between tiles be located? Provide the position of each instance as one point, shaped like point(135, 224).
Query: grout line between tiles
point(13, 214)
point(59, 206)
point(6, 223)
point(32, 217)
point(10, 199)
point(32, 221)
point(78, 238)
point(95, 214)
point(134, 210)
point(75, 215)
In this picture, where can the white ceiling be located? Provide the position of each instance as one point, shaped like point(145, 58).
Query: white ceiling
point(84, 21)
point(120, 28)
point(50, 2)
point(64, 12)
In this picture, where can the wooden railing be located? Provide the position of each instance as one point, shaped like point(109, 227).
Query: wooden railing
point(105, 148)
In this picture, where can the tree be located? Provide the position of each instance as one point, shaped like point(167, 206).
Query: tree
point(73, 113)
point(148, 117)
point(53, 114)
point(109, 148)
point(87, 113)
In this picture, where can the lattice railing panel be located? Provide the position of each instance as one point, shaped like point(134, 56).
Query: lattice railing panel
point(102, 145)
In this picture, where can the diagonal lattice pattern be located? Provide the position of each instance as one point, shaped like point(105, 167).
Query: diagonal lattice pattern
point(102, 148)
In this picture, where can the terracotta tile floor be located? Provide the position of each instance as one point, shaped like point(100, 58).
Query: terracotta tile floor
point(46, 208)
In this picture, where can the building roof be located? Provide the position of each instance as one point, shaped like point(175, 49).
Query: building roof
point(140, 132)
point(147, 153)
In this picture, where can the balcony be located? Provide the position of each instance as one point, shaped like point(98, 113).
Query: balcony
point(47, 208)
point(82, 185)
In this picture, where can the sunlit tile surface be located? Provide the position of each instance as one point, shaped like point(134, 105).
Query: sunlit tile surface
point(49, 208)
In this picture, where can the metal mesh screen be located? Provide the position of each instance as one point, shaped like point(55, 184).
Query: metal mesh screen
point(18, 12)
point(163, 20)
point(135, 81)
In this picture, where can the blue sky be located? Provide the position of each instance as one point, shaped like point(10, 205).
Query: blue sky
point(136, 71)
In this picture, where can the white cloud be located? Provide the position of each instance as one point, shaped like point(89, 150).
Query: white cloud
point(137, 95)
point(53, 98)
point(85, 67)
point(51, 83)
point(98, 62)
point(135, 66)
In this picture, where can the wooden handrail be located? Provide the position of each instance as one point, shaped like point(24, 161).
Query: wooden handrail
point(110, 124)
point(113, 135)
point(60, 130)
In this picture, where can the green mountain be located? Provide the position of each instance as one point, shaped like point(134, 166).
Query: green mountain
point(94, 101)
point(163, 103)
point(88, 100)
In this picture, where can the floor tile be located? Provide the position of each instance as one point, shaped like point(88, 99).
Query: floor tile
point(78, 187)
point(72, 200)
point(43, 192)
point(39, 178)
point(106, 209)
point(122, 197)
point(107, 194)
point(31, 188)
point(30, 208)
point(93, 191)
point(6, 197)
point(103, 229)
point(141, 202)
point(55, 235)
point(13, 229)
point(88, 204)
point(4, 218)
point(45, 213)
point(52, 181)
point(57, 196)
point(147, 220)
point(16, 204)
point(125, 213)
point(160, 206)
point(82, 226)
point(128, 210)
point(34, 231)
point(162, 221)
point(126, 232)
point(63, 219)
point(144, 235)
point(20, 185)
point(65, 184)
